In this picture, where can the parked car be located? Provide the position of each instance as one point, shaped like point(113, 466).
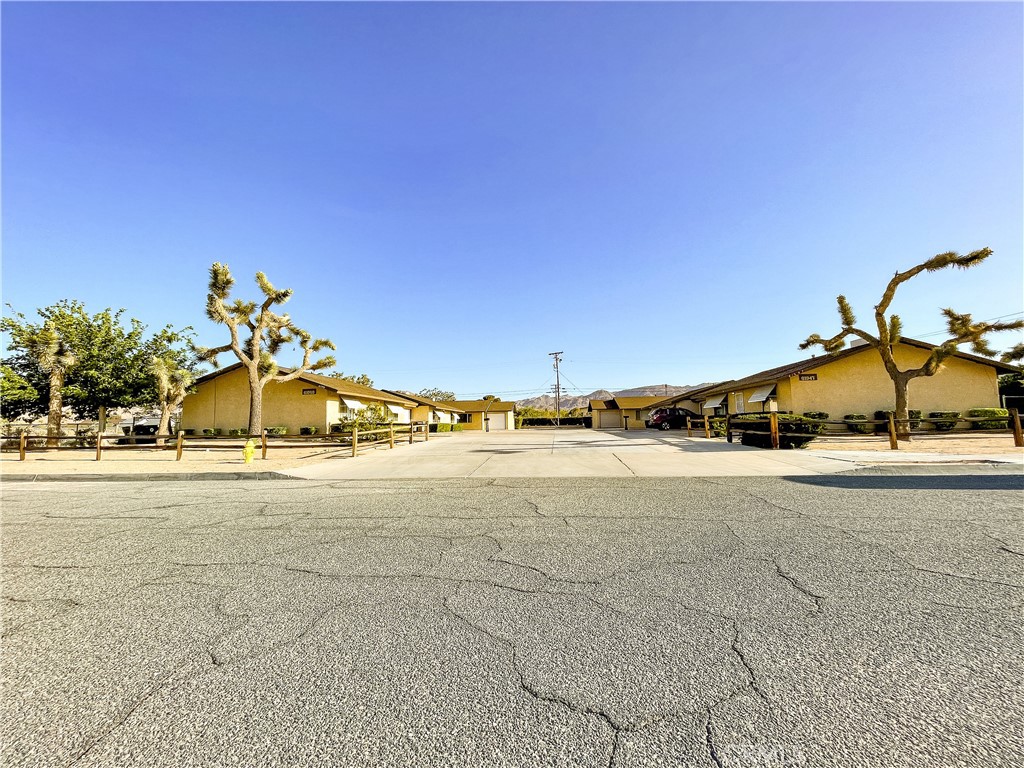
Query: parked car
point(671, 418)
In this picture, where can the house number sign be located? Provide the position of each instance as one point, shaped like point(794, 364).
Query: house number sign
point(309, 391)
point(808, 377)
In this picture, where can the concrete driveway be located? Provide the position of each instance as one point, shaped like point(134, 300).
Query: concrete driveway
point(572, 453)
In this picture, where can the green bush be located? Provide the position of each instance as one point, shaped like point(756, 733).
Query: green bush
point(794, 431)
point(717, 426)
point(914, 416)
point(277, 430)
point(212, 432)
point(456, 427)
point(852, 424)
point(816, 415)
point(308, 430)
point(442, 427)
point(944, 426)
point(998, 418)
point(238, 432)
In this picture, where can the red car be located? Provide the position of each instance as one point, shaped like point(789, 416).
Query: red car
point(671, 418)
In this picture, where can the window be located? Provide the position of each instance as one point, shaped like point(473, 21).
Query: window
point(465, 418)
point(739, 402)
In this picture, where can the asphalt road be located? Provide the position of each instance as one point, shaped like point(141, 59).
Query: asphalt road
point(818, 621)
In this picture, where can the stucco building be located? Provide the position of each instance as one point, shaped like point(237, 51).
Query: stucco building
point(221, 401)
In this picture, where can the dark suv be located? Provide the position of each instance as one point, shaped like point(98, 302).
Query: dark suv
point(671, 418)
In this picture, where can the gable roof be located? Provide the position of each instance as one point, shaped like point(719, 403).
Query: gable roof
point(625, 403)
point(792, 369)
point(437, 405)
point(688, 394)
point(496, 406)
point(341, 386)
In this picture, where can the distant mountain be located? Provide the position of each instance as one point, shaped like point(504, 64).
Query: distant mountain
point(547, 402)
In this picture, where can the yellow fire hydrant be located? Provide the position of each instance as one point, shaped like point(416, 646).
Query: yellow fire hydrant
point(249, 451)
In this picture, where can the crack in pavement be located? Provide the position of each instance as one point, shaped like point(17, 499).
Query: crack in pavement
point(790, 579)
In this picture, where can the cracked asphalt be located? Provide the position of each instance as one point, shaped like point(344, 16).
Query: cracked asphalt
point(847, 620)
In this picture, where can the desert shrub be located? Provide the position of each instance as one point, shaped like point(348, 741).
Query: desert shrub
point(855, 422)
point(794, 431)
point(212, 432)
point(997, 418)
point(914, 416)
point(717, 425)
point(817, 415)
point(308, 430)
point(944, 426)
point(238, 432)
point(277, 430)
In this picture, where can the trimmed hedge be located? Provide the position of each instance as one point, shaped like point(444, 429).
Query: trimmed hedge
point(914, 416)
point(944, 426)
point(794, 431)
point(852, 424)
point(999, 418)
point(549, 421)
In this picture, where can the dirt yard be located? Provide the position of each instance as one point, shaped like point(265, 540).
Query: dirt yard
point(951, 444)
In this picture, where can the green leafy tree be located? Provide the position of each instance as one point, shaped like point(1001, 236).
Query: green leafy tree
point(15, 390)
point(440, 395)
point(267, 333)
point(355, 378)
point(962, 330)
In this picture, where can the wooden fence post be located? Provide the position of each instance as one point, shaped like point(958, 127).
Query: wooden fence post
point(1018, 436)
point(99, 446)
point(22, 443)
point(773, 427)
point(264, 443)
point(355, 441)
point(728, 427)
point(426, 431)
point(412, 431)
point(689, 427)
point(180, 445)
point(391, 435)
point(707, 427)
point(893, 443)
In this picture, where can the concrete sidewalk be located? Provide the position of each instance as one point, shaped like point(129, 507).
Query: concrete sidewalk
point(575, 453)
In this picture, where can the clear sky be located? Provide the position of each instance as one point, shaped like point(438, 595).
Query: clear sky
point(668, 193)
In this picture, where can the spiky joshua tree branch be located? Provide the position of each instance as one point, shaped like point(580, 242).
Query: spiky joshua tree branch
point(267, 333)
point(962, 330)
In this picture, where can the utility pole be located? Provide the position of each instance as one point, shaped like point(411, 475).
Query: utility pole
point(558, 389)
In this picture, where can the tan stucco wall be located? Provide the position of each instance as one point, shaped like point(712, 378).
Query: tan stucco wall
point(224, 402)
point(478, 420)
point(859, 384)
point(637, 417)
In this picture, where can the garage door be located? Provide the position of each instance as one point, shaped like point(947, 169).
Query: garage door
point(609, 420)
point(498, 421)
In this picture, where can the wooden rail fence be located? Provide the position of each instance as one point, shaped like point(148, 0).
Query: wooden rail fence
point(771, 419)
point(353, 438)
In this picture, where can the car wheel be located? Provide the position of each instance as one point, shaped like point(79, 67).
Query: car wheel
point(665, 426)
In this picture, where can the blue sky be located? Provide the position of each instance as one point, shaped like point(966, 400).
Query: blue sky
point(665, 192)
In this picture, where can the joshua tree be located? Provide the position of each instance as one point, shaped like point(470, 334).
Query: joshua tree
point(268, 332)
point(172, 384)
point(55, 358)
point(962, 330)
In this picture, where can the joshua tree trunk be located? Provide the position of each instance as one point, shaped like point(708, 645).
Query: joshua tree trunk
point(56, 407)
point(902, 411)
point(255, 403)
point(164, 428)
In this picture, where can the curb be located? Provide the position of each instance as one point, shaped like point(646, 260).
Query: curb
point(148, 477)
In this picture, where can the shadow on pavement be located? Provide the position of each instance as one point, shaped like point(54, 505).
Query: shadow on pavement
point(915, 482)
